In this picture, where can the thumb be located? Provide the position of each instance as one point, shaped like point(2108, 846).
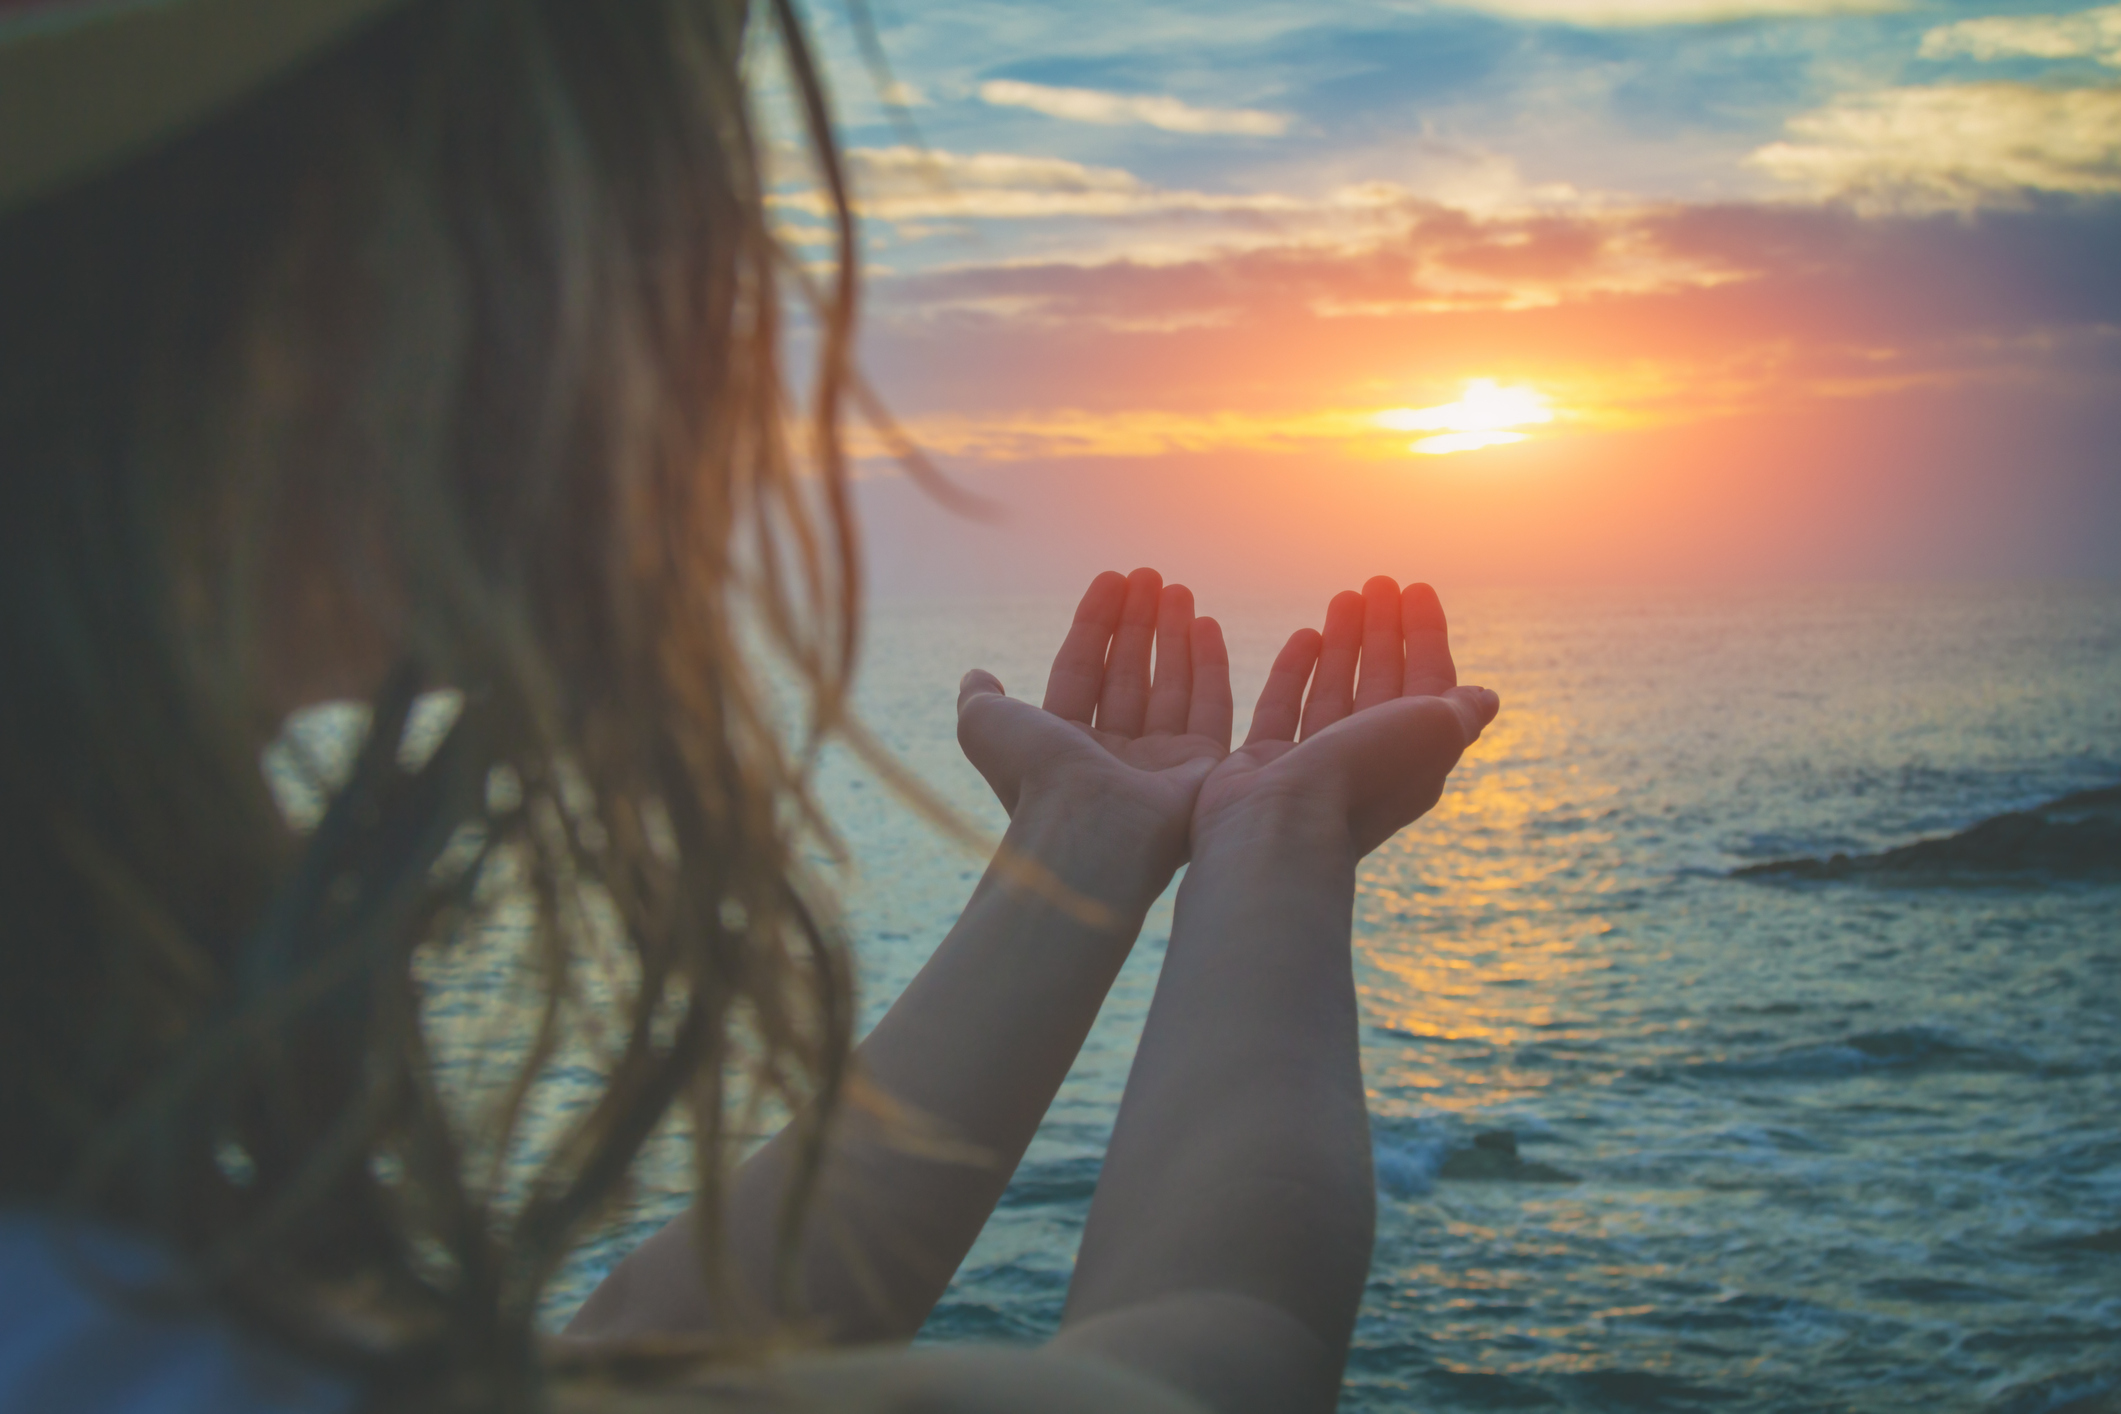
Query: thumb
point(1476, 707)
point(978, 683)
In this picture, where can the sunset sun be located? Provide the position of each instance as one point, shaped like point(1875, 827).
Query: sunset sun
point(1485, 415)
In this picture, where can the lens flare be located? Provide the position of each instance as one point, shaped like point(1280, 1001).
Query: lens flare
point(1485, 415)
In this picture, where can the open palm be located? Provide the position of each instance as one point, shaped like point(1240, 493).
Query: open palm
point(1374, 753)
point(1109, 731)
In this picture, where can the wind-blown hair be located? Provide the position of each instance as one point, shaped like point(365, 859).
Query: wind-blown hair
point(468, 337)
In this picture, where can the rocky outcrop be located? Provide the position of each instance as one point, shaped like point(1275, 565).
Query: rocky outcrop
point(2077, 836)
point(2107, 1241)
point(1493, 1159)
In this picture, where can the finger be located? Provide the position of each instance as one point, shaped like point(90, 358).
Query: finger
point(1333, 688)
point(1210, 712)
point(1124, 698)
point(978, 683)
point(1172, 689)
point(1079, 668)
point(1281, 701)
point(1430, 671)
point(1383, 660)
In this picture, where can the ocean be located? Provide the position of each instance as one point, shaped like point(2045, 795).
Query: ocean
point(1811, 1145)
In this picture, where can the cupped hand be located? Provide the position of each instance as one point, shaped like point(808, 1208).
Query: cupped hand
point(1111, 739)
point(1370, 754)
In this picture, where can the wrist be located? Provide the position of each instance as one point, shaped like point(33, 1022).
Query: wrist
point(1110, 850)
point(1277, 868)
point(1292, 824)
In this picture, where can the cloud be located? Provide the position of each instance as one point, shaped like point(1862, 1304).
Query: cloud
point(1084, 213)
point(1622, 14)
point(1954, 147)
point(1089, 105)
point(1381, 253)
point(900, 184)
point(1074, 432)
point(2094, 34)
point(1655, 317)
point(1870, 372)
point(1079, 214)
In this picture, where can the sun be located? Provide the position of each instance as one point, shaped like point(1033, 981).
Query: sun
point(1485, 415)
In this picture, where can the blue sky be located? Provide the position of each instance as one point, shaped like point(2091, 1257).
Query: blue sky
point(1383, 91)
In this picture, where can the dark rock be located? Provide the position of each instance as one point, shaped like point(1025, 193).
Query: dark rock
point(2107, 1241)
point(2095, 1391)
point(2107, 1401)
point(1493, 1159)
point(2077, 836)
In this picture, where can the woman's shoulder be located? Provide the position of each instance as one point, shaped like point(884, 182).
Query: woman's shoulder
point(945, 1380)
point(76, 1334)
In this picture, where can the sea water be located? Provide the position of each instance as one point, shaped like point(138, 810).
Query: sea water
point(1835, 1146)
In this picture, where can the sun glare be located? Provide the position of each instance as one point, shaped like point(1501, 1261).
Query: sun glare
point(1484, 416)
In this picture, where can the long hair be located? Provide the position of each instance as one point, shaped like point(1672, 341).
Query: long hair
point(463, 349)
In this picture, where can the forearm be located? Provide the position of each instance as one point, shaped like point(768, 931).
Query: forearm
point(1240, 1163)
point(972, 1053)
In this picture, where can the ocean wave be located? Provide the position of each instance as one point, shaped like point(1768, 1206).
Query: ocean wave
point(1472, 1389)
point(1758, 1137)
point(955, 1321)
point(1900, 1048)
point(1408, 1156)
point(1640, 1389)
point(1935, 1291)
point(1748, 1312)
point(1065, 1183)
point(1406, 1165)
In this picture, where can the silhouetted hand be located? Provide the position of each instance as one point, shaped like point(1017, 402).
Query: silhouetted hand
point(1110, 741)
point(1370, 757)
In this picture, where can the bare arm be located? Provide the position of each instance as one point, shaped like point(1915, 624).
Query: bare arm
point(979, 1043)
point(1229, 1240)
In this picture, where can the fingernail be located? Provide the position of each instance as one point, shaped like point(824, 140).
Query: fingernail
point(1423, 610)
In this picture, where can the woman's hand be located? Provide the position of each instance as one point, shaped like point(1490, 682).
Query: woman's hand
point(1099, 785)
point(1370, 756)
point(1111, 739)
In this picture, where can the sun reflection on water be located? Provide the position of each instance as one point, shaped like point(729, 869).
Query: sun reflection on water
point(1471, 952)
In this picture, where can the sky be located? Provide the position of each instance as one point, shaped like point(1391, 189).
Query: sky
point(1279, 295)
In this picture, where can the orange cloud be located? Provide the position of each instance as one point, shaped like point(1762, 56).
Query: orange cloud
point(1622, 320)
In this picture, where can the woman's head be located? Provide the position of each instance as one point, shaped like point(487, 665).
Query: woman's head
point(453, 360)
